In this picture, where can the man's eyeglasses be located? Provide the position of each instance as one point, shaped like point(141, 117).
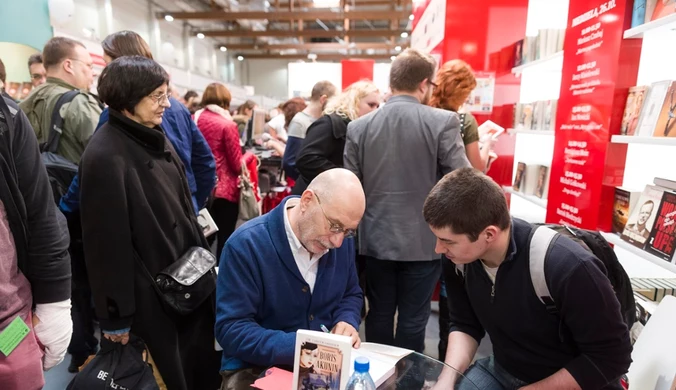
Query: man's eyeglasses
point(90, 66)
point(159, 97)
point(334, 227)
point(433, 84)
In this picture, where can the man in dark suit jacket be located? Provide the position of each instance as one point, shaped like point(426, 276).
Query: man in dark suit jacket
point(399, 152)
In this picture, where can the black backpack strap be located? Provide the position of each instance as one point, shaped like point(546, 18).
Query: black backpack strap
point(462, 117)
point(56, 125)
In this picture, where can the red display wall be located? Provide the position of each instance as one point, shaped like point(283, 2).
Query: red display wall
point(356, 70)
point(586, 166)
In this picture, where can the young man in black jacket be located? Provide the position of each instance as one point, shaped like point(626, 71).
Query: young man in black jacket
point(34, 262)
point(488, 279)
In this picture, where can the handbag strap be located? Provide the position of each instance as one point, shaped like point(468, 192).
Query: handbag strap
point(137, 258)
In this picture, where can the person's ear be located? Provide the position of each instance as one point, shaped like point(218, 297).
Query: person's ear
point(492, 233)
point(323, 99)
point(306, 200)
point(68, 66)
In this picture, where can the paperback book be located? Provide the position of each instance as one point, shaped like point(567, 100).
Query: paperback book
point(632, 110)
point(640, 223)
point(662, 240)
point(651, 108)
point(519, 177)
point(666, 123)
point(625, 201)
point(321, 361)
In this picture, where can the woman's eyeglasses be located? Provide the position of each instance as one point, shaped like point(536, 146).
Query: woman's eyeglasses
point(159, 97)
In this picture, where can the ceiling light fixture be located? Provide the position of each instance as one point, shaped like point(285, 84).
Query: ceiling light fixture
point(397, 48)
point(168, 18)
point(393, 58)
point(200, 35)
point(404, 34)
point(240, 58)
point(312, 56)
point(224, 49)
point(411, 17)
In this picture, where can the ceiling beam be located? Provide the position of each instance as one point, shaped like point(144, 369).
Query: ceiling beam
point(320, 57)
point(286, 15)
point(358, 3)
point(305, 33)
point(311, 46)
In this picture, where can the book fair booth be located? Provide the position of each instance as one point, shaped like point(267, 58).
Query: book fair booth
point(586, 92)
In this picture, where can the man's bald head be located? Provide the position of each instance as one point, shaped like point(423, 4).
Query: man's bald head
point(340, 190)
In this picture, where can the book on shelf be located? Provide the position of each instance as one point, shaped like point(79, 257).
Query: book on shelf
point(642, 218)
point(632, 109)
point(638, 13)
point(623, 205)
point(518, 53)
point(321, 360)
point(519, 176)
point(549, 114)
point(665, 183)
point(657, 9)
point(654, 289)
point(662, 239)
point(652, 107)
point(543, 182)
point(530, 179)
point(538, 116)
point(666, 122)
point(526, 121)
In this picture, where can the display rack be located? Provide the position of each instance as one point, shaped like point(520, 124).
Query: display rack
point(536, 132)
point(658, 269)
point(665, 23)
point(533, 199)
point(632, 139)
point(549, 62)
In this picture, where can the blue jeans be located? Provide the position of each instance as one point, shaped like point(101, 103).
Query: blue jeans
point(486, 374)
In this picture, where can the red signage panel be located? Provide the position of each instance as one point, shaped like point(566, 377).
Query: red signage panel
point(589, 93)
point(356, 70)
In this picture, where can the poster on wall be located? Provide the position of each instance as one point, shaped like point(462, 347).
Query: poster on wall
point(429, 31)
point(480, 101)
point(588, 91)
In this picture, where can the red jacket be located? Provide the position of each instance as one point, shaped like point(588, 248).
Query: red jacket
point(222, 136)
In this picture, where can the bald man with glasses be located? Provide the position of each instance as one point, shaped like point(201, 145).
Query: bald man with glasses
point(290, 269)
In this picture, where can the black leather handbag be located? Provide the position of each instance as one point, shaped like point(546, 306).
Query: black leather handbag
point(185, 284)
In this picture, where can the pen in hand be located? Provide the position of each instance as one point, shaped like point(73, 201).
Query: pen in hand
point(324, 328)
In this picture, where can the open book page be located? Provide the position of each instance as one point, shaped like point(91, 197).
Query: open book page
point(382, 360)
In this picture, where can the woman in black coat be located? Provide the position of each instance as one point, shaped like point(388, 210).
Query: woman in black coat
point(323, 146)
point(137, 213)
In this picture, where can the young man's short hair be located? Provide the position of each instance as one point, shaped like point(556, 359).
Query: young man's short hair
point(35, 59)
point(322, 88)
point(467, 202)
point(57, 50)
point(410, 68)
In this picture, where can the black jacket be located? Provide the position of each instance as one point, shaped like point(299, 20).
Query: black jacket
point(134, 200)
point(322, 149)
point(39, 229)
point(588, 337)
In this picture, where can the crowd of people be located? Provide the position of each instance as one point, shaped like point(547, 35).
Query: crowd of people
point(386, 199)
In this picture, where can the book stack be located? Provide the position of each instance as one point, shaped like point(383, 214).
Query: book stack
point(651, 225)
point(539, 115)
point(650, 111)
point(654, 289)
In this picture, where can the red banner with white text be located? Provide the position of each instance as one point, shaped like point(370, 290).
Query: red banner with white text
point(585, 166)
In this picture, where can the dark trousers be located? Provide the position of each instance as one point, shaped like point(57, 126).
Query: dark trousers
point(224, 214)
point(83, 342)
point(406, 286)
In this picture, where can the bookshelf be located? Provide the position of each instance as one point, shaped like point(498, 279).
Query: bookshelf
point(639, 263)
point(542, 203)
point(553, 62)
point(632, 139)
point(665, 23)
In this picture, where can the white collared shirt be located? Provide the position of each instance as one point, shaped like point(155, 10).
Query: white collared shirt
point(307, 263)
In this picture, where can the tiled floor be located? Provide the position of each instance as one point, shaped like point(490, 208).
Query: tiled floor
point(59, 377)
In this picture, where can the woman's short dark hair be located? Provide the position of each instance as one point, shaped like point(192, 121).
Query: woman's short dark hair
point(292, 107)
point(467, 202)
point(126, 43)
point(127, 80)
point(247, 105)
point(190, 94)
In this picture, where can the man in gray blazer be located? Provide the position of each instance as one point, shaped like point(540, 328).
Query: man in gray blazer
point(400, 152)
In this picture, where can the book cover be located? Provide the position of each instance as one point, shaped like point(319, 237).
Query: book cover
point(543, 182)
point(519, 177)
point(662, 239)
point(666, 122)
point(530, 179)
point(650, 6)
point(552, 41)
point(548, 106)
point(623, 205)
point(662, 8)
point(518, 124)
point(518, 53)
point(651, 108)
point(206, 222)
point(527, 116)
point(321, 361)
point(560, 42)
point(632, 109)
point(642, 218)
point(638, 13)
point(538, 116)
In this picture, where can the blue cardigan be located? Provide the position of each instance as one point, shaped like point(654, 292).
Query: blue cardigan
point(262, 299)
point(191, 147)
